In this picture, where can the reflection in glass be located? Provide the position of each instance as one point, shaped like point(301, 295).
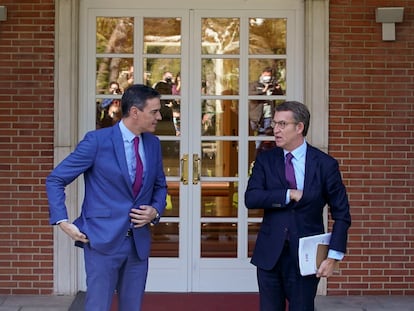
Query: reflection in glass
point(259, 68)
point(220, 76)
point(255, 213)
point(108, 111)
point(218, 240)
point(162, 35)
point(267, 35)
point(163, 74)
point(219, 199)
point(114, 35)
point(262, 108)
point(171, 157)
point(172, 208)
point(219, 158)
point(113, 69)
point(252, 157)
point(219, 117)
point(265, 144)
point(159, 70)
point(165, 241)
point(220, 35)
point(253, 229)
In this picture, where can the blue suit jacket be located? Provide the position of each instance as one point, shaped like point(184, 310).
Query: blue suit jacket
point(108, 199)
point(266, 190)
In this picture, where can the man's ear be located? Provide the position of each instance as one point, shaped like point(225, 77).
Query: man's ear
point(300, 127)
point(134, 112)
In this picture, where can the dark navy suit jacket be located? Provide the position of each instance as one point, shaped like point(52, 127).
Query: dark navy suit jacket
point(266, 190)
point(108, 198)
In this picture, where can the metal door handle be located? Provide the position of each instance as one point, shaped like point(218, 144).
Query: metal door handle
point(184, 169)
point(196, 169)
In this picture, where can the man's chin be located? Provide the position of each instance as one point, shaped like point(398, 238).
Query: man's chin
point(279, 143)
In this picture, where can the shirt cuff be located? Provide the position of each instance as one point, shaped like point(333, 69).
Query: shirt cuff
point(287, 196)
point(335, 254)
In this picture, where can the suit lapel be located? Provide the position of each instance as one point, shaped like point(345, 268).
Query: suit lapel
point(279, 162)
point(310, 166)
point(119, 149)
point(148, 159)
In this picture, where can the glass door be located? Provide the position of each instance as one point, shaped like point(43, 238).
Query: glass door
point(209, 67)
point(231, 51)
point(151, 47)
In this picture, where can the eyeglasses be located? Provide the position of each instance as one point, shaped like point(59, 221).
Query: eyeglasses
point(281, 124)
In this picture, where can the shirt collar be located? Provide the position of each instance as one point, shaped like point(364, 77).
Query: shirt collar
point(299, 152)
point(127, 135)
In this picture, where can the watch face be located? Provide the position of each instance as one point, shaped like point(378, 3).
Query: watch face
point(156, 219)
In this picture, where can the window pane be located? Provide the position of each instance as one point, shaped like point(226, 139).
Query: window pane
point(219, 117)
point(108, 111)
point(157, 69)
point(220, 76)
point(219, 199)
point(219, 158)
point(172, 208)
point(170, 157)
point(165, 241)
point(275, 68)
point(114, 35)
point(255, 212)
point(253, 229)
point(267, 36)
point(162, 35)
point(163, 74)
point(220, 36)
point(255, 147)
point(219, 240)
point(110, 70)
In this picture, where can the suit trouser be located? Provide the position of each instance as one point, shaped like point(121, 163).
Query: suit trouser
point(122, 271)
point(284, 282)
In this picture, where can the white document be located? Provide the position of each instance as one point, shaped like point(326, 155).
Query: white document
point(308, 247)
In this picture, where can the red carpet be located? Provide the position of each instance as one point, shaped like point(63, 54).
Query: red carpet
point(198, 301)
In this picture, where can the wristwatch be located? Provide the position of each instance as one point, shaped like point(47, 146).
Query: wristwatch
point(156, 219)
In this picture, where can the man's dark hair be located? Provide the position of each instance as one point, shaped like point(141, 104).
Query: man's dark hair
point(137, 95)
point(300, 113)
point(267, 69)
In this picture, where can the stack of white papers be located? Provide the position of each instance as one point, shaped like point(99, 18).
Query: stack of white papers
point(308, 252)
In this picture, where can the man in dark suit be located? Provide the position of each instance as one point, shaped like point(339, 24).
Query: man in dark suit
point(293, 208)
point(113, 227)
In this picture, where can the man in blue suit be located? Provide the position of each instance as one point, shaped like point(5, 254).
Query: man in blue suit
point(114, 225)
point(293, 208)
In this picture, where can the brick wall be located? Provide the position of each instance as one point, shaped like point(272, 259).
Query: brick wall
point(26, 146)
point(372, 134)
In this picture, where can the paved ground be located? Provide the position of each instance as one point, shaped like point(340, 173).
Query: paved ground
point(364, 303)
point(323, 303)
point(35, 303)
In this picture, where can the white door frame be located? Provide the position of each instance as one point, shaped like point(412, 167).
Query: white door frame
point(68, 104)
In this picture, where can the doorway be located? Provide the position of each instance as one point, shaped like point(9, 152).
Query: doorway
point(208, 66)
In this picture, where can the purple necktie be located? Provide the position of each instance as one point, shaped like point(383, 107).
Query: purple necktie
point(138, 170)
point(290, 172)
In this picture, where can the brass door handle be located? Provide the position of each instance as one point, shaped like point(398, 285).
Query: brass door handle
point(184, 169)
point(196, 169)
